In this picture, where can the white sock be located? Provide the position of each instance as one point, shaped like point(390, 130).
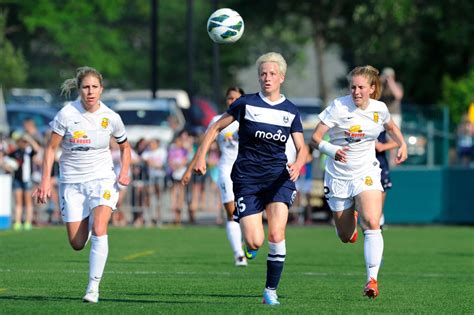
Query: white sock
point(234, 235)
point(97, 258)
point(373, 250)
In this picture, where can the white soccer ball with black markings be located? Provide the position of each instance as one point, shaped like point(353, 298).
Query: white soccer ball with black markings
point(225, 26)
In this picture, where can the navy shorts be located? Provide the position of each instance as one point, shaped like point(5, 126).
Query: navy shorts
point(252, 198)
point(385, 178)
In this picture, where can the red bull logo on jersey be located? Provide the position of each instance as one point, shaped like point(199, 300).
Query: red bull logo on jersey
point(268, 135)
point(354, 134)
point(105, 123)
point(80, 137)
point(376, 117)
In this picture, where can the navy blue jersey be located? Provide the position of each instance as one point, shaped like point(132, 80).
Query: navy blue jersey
point(265, 127)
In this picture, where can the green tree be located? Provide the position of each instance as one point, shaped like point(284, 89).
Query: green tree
point(13, 66)
point(458, 95)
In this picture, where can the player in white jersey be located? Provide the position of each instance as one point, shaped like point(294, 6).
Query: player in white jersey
point(228, 141)
point(352, 177)
point(263, 179)
point(88, 185)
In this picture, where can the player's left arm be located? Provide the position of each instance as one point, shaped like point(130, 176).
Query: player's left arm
point(301, 156)
point(125, 157)
point(397, 136)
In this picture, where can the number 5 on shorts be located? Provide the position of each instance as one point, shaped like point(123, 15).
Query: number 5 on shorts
point(240, 205)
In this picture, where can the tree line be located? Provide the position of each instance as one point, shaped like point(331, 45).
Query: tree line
point(427, 42)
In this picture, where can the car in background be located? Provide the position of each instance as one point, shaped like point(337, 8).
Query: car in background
point(41, 115)
point(147, 117)
point(199, 115)
point(29, 97)
point(157, 118)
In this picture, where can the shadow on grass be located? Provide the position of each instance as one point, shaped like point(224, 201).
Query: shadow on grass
point(37, 298)
point(197, 294)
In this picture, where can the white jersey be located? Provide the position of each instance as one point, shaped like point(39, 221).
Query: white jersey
point(228, 141)
point(85, 145)
point(356, 128)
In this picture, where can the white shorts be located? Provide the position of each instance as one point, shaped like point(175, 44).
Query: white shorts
point(226, 187)
point(340, 193)
point(79, 199)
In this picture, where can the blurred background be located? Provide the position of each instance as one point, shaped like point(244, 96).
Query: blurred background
point(167, 79)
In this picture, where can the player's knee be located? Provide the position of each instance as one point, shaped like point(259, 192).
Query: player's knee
point(99, 230)
point(373, 224)
point(77, 245)
point(344, 237)
point(255, 244)
point(276, 237)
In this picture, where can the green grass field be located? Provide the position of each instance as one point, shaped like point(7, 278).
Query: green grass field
point(190, 270)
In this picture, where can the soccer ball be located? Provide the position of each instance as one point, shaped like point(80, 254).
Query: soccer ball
point(225, 26)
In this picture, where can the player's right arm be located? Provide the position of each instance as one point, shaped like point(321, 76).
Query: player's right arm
point(43, 192)
point(209, 137)
point(336, 152)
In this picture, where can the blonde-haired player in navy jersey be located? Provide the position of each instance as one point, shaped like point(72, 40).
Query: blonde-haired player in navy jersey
point(88, 185)
point(228, 141)
point(352, 177)
point(262, 177)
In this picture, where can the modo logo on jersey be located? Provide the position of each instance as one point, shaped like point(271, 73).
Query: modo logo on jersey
point(268, 135)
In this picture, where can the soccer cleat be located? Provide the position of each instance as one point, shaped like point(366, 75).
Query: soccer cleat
point(241, 261)
point(27, 226)
point(91, 296)
point(17, 226)
point(356, 232)
point(270, 297)
point(371, 290)
point(250, 253)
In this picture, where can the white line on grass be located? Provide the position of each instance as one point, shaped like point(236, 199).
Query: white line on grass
point(224, 273)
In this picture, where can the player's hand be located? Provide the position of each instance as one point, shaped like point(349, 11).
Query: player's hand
point(42, 193)
point(123, 179)
point(341, 155)
point(294, 171)
point(402, 154)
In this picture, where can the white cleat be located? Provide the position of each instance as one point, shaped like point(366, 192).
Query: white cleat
point(241, 261)
point(91, 297)
point(270, 297)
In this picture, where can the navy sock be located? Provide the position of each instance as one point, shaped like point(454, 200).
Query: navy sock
point(275, 262)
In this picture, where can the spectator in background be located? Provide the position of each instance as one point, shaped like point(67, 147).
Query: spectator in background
point(177, 161)
point(8, 165)
point(392, 94)
point(140, 179)
point(465, 133)
point(155, 157)
point(27, 148)
point(30, 128)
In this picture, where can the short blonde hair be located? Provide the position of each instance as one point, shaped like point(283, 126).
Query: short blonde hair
point(75, 83)
point(372, 75)
point(272, 57)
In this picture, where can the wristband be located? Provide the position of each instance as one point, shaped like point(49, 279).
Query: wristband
point(328, 148)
